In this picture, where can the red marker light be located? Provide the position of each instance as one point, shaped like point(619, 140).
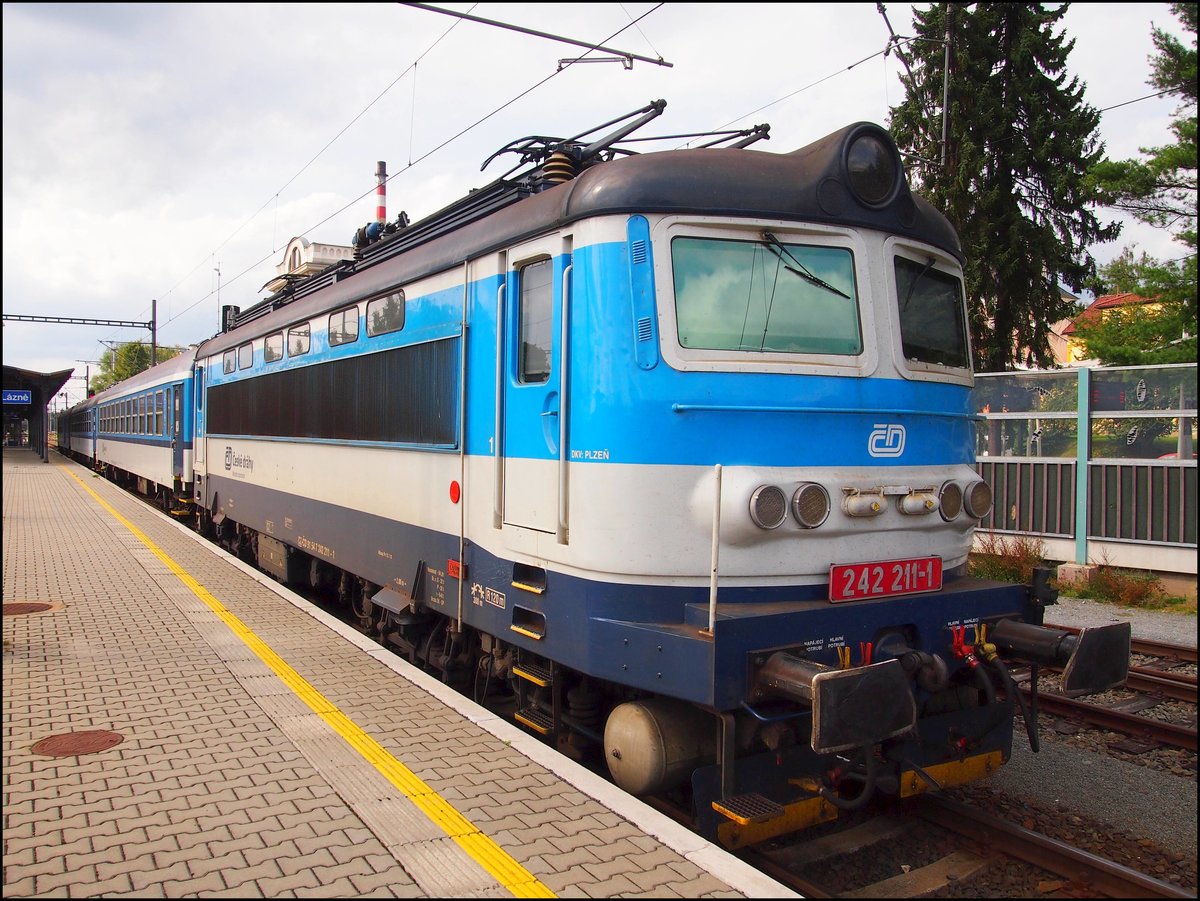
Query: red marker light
point(455, 492)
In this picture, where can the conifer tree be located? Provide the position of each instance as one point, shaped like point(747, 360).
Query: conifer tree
point(1161, 191)
point(1012, 174)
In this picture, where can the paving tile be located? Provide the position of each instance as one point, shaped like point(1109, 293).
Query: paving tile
point(208, 793)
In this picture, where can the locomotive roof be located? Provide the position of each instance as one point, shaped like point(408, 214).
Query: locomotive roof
point(806, 185)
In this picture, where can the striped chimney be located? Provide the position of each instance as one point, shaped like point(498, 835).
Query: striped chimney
point(381, 192)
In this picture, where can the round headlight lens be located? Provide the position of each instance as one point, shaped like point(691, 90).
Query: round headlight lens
point(810, 505)
point(978, 499)
point(768, 506)
point(872, 168)
point(952, 500)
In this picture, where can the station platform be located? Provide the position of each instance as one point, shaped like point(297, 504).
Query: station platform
point(177, 724)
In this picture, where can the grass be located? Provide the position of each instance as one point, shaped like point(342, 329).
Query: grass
point(1128, 588)
point(1012, 559)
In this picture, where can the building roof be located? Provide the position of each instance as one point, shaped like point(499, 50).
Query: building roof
point(1105, 302)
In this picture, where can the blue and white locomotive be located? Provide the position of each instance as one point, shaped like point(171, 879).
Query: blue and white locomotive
point(676, 449)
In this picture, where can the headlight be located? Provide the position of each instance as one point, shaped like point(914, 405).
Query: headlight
point(768, 506)
point(810, 505)
point(873, 169)
point(978, 499)
point(952, 500)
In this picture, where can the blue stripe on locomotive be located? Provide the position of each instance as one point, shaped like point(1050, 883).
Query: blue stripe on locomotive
point(648, 416)
point(632, 412)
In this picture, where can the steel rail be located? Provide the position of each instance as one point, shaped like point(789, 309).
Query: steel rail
point(1103, 876)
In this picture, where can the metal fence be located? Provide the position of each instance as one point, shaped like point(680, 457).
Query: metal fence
point(1111, 447)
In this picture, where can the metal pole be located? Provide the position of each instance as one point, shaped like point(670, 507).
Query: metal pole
point(1083, 451)
point(716, 550)
point(153, 332)
point(946, 87)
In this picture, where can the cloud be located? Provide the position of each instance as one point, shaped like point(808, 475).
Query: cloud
point(147, 145)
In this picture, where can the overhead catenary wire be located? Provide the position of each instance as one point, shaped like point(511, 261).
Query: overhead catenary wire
point(275, 195)
point(412, 163)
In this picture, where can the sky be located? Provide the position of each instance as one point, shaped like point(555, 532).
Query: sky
point(169, 152)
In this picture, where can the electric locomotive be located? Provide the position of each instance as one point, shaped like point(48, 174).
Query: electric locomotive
point(674, 449)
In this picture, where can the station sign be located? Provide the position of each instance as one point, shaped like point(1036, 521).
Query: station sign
point(17, 396)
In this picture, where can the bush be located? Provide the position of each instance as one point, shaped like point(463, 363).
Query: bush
point(1127, 587)
point(1006, 559)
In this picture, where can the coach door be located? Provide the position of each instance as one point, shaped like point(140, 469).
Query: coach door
point(533, 386)
point(175, 428)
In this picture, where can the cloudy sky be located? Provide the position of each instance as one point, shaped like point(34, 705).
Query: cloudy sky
point(171, 151)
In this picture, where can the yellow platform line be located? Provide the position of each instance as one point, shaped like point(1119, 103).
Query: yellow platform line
point(483, 850)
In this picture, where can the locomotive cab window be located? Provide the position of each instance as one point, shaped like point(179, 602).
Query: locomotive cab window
point(933, 328)
point(246, 356)
point(298, 340)
point(343, 326)
point(537, 312)
point(229, 362)
point(765, 296)
point(385, 314)
point(273, 347)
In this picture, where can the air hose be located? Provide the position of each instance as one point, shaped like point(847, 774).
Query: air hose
point(868, 789)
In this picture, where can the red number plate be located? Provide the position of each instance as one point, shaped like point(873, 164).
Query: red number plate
point(885, 578)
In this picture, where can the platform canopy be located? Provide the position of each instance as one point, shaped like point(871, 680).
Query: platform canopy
point(27, 394)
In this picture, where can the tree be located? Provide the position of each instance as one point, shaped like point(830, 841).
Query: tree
point(127, 360)
point(1020, 141)
point(1161, 191)
point(1163, 332)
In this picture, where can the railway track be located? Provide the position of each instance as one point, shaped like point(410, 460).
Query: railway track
point(957, 850)
point(1151, 683)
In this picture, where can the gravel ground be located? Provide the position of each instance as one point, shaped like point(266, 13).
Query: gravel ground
point(1156, 625)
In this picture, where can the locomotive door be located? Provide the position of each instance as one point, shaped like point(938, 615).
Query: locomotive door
point(534, 376)
point(198, 442)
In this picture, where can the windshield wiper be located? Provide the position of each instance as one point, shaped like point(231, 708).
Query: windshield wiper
point(913, 286)
point(771, 242)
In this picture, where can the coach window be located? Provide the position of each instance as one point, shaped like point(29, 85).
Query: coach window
point(537, 311)
point(385, 314)
point(229, 362)
point(298, 340)
point(273, 347)
point(343, 326)
point(245, 356)
point(158, 413)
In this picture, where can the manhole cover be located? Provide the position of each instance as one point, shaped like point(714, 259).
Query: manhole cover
point(20, 607)
point(70, 744)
